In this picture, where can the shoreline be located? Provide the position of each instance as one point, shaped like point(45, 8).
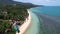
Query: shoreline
point(25, 25)
point(34, 25)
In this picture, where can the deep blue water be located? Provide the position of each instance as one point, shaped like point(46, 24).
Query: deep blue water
point(45, 20)
point(49, 17)
point(50, 10)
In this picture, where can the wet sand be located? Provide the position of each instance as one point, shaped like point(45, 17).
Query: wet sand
point(25, 25)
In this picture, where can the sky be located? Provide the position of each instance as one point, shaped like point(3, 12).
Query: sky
point(42, 2)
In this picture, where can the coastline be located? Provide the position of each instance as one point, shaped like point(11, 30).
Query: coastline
point(25, 25)
point(34, 25)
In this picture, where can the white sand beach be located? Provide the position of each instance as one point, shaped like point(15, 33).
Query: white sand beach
point(25, 25)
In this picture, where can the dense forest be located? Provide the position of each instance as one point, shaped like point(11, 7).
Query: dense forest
point(10, 12)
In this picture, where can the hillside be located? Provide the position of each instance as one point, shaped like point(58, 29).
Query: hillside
point(11, 11)
point(9, 2)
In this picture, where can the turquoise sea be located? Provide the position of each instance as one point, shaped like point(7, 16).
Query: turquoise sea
point(50, 10)
point(45, 20)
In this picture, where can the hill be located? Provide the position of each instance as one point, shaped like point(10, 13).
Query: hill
point(9, 2)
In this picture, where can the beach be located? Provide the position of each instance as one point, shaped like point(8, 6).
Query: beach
point(34, 25)
point(25, 25)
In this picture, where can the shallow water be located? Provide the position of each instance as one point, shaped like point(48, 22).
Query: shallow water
point(33, 28)
point(45, 20)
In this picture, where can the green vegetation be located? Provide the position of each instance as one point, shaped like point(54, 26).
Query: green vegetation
point(8, 12)
point(14, 11)
point(6, 25)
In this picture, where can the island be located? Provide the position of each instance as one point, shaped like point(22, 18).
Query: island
point(11, 11)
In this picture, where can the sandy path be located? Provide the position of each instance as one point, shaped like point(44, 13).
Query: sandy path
point(26, 24)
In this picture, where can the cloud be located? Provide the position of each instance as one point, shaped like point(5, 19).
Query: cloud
point(42, 2)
